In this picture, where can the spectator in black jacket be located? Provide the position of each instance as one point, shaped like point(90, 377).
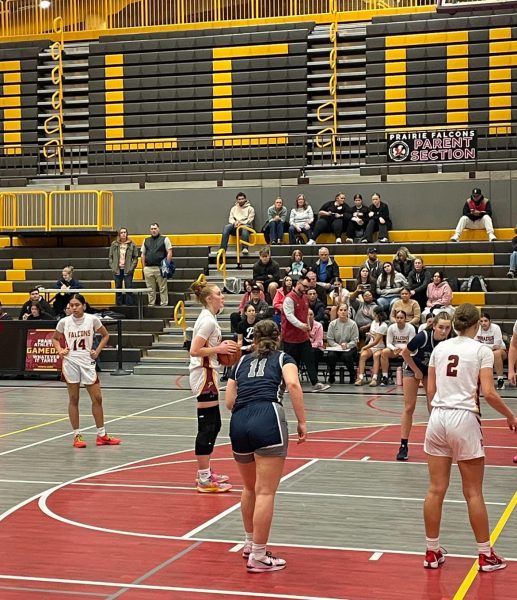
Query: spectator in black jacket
point(477, 214)
point(333, 217)
point(358, 220)
point(35, 296)
point(318, 308)
point(378, 220)
point(312, 282)
point(262, 308)
point(418, 280)
point(266, 273)
point(403, 261)
point(326, 269)
point(38, 314)
point(65, 283)
point(3, 315)
point(372, 263)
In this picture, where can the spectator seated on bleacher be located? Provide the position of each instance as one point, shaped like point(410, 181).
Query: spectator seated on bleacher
point(313, 285)
point(403, 261)
point(266, 273)
point(333, 217)
point(326, 269)
point(389, 286)
point(262, 308)
point(364, 306)
point(318, 308)
point(378, 220)
point(513, 258)
point(477, 214)
point(490, 334)
point(398, 336)
point(410, 307)
point(245, 329)
point(276, 223)
point(364, 282)
point(372, 263)
point(342, 340)
point(297, 266)
point(3, 315)
point(300, 221)
point(439, 296)
point(418, 280)
point(235, 317)
point(34, 296)
point(358, 220)
point(242, 213)
point(65, 283)
point(338, 294)
point(281, 293)
point(376, 343)
point(38, 314)
point(316, 338)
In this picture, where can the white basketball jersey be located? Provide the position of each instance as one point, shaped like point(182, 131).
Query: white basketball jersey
point(79, 334)
point(208, 328)
point(457, 363)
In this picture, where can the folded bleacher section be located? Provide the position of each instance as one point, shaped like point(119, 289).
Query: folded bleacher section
point(218, 100)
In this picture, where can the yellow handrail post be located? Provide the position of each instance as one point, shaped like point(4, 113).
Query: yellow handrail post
point(220, 261)
point(180, 317)
point(239, 241)
point(99, 211)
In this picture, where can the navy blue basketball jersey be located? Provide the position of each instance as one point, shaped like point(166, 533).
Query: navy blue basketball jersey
point(421, 347)
point(260, 379)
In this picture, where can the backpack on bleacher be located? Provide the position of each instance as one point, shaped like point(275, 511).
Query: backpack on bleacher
point(475, 283)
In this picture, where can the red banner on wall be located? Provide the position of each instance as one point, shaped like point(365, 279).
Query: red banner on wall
point(41, 354)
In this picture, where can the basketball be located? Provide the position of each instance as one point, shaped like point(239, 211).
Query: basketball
point(228, 360)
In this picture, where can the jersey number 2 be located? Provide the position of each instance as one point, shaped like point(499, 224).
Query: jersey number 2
point(452, 365)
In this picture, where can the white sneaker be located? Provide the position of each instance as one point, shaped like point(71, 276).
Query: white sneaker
point(246, 549)
point(320, 387)
point(349, 241)
point(455, 238)
point(268, 563)
point(492, 237)
point(245, 251)
point(384, 240)
point(338, 240)
point(311, 243)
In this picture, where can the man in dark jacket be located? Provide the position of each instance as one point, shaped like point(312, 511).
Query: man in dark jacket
point(154, 249)
point(261, 307)
point(35, 296)
point(372, 263)
point(123, 258)
point(326, 269)
point(477, 214)
point(318, 308)
point(266, 273)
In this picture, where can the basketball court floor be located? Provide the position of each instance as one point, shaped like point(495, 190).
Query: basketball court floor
point(126, 521)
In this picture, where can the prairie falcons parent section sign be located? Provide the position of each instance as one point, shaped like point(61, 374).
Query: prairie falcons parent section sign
point(441, 145)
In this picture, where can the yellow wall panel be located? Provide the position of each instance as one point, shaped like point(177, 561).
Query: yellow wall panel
point(425, 39)
point(500, 101)
point(395, 120)
point(395, 81)
point(455, 64)
point(15, 77)
point(114, 59)
point(457, 77)
point(500, 74)
point(12, 125)
point(114, 109)
point(9, 65)
point(395, 54)
point(501, 115)
point(114, 134)
point(12, 113)
point(501, 33)
point(500, 87)
point(457, 90)
point(114, 71)
point(115, 121)
point(395, 107)
point(12, 138)
point(223, 116)
point(457, 103)
point(15, 275)
point(115, 96)
point(6, 287)
point(114, 84)
point(509, 46)
point(12, 90)
point(22, 263)
point(458, 117)
point(222, 78)
point(458, 50)
point(503, 60)
point(223, 90)
point(396, 94)
point(218, 103)
point(396, 67)
point(223, 128)
point(244, 51)
point(222, 65)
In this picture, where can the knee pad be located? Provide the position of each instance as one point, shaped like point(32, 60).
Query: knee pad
point(208, 426)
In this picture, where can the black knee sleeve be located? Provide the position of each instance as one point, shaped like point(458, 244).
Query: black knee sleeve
point(208, 426)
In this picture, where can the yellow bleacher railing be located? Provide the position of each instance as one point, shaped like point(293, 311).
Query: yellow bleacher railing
point(180, 318)
point(87, 17)
point(56, 211)
point(240, 242)
point(220, 261)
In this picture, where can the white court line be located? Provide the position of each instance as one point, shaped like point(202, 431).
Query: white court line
point(166, 588)
point(57, 437)
point(29, 481)
point(279, 493)
point(234, 508)
point(375, 556)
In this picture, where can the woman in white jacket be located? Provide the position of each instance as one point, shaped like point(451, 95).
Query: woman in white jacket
point(490, 334)
point(300, 219)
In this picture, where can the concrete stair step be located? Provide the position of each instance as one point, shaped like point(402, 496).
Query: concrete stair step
point(165, 353)
point(148, 369)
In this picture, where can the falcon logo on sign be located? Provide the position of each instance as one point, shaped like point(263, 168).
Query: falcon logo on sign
point(398, 151)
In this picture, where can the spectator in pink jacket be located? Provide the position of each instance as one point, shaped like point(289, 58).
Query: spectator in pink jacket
point(439, 295)
point(281, 293)
point(316, 337)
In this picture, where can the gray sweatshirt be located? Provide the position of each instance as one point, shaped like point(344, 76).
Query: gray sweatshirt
point(342, 331)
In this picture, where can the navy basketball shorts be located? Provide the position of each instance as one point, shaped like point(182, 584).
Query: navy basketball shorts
point(258, 428)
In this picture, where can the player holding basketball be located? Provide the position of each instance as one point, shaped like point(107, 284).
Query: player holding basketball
point(456, 369)
point(258, 432)
point(79, 358)
point(204, 381)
